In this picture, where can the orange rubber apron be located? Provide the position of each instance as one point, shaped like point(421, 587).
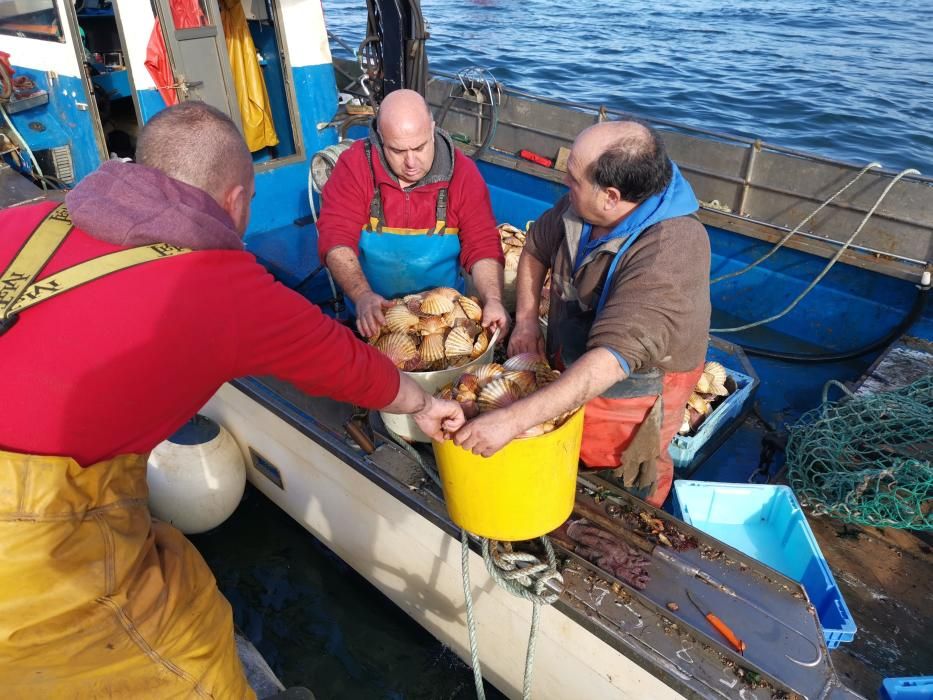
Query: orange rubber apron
point(628, 428)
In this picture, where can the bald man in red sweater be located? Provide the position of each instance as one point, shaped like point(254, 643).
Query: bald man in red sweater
point(98, 601)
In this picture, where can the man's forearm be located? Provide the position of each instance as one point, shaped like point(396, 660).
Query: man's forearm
point(528, 282)
point(587, 378)
point(487, 278)
point(409, 399)
point(345, 268)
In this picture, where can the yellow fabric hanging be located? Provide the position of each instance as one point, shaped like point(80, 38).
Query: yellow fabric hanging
point(98, 601)
point(255, 110)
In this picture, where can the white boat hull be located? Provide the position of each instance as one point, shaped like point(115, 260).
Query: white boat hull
point(417, 565)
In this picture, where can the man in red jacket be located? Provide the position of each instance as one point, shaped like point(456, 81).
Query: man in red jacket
point(403, 211)
point(95, 599)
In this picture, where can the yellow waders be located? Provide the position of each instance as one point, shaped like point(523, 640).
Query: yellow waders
point(98, 601)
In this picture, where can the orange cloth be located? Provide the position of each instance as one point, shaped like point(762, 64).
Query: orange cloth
point(159, 67)
point(609, 426)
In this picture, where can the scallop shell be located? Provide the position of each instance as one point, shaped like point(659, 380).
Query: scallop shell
point(513, 242)
point(447, 292)
point(400, 320)
point(463, 395)
point(698, 404)
point(432, 347)
point(524, 379)
point(447, 393)
point(472, 328)
point(373, 339)
point(486, 373)
point(468, 382)
point(545, 375)
point(512, 256)
point(506, 230)
point(499, 393)
point(480, 345)
point(413, 302)
point(431, 325)
point(713, 380)
point(398, 347)
point(436, 304)
point(458, 343)
point(526, 360)
point(459, 361)
point(456, 314)
point(415, 364)
point(471, 308)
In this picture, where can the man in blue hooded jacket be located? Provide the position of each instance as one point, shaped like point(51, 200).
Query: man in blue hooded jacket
point(629, 308)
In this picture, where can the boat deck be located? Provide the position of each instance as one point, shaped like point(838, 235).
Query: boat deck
point(884, 573)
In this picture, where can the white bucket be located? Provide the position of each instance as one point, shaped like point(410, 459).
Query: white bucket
point(403, 424)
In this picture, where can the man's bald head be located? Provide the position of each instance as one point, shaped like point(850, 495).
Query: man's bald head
point(403, 112)
point(406, 129)
point(198, 145)
point(627, 155)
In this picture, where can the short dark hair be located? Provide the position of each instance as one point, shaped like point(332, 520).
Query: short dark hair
point(196, 144)
point(636, 164)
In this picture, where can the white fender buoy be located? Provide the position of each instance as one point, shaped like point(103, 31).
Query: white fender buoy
point(196, 477)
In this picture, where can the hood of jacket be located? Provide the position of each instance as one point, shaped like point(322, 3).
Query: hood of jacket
point(128, 204)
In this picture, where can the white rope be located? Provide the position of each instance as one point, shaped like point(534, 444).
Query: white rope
point(833, 261)
point(787, 236)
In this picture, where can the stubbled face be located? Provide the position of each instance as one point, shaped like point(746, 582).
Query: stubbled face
point(409, 152)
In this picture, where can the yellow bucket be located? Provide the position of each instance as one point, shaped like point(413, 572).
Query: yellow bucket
point(523, 491)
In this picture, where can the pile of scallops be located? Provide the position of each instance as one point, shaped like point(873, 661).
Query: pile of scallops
point(490, 386)
point(512, 240)
point(709, 392)
point(432, 331)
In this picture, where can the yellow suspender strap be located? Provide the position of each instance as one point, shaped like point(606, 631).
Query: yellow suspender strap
point(19, 292)
point(32, 257)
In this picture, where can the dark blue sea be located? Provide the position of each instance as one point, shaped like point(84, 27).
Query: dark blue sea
point(848, 80)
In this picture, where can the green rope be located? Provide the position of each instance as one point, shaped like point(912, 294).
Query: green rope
point(866, 460)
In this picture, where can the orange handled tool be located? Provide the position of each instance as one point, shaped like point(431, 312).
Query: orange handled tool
point(719, 625)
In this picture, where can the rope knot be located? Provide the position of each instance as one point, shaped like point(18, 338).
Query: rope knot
point(523, 574)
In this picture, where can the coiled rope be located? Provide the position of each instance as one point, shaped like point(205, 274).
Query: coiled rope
point(829, 266)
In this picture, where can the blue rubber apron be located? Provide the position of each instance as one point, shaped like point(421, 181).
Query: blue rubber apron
point(400, 261)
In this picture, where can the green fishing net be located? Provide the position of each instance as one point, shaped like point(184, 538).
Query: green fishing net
point(867, 459)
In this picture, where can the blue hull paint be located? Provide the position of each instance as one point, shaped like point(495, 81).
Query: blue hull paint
point(60, 122)
point(282, 192)
point(150, 104)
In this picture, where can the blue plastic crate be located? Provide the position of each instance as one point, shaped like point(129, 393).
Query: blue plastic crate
point(684, 448)
point(915, 688)
point(766, 522)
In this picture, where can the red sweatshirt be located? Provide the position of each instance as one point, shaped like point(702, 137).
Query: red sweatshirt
point(117, 365)
point(349, 191)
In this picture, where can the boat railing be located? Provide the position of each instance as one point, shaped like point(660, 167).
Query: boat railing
point(745, 185)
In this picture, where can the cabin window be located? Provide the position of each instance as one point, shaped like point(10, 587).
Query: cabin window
point(38, 19)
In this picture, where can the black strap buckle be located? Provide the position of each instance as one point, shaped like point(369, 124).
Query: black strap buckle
point(7, 322)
